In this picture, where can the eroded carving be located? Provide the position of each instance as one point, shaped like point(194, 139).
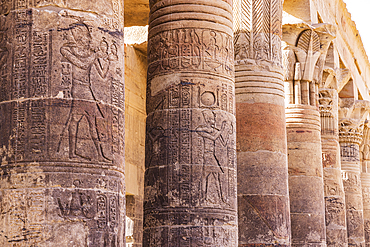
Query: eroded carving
point(83, 58)
point(190, 49)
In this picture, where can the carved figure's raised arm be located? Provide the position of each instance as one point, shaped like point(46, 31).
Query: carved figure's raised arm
point(67, 53)
point(204, 132)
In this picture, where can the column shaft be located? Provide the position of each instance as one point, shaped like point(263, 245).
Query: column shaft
point(62, 124)
point(353, 192)
point(335, 214)
point(365, 180)
point(190, 173)
point(263, 201)
point(306, 186)
point(350, 138)
point(305, 176)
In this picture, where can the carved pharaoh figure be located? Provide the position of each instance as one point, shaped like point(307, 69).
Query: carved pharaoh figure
point(212, 167)
point(83, 58)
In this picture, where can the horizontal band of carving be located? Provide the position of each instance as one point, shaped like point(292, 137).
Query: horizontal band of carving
point(190, 16)
point(170, 3)
point(186, 218)
point(302, 116)
point(29, 177)
point(190, 50)
point(261, 84)
point(69, 167)
point(112, 13)
point(259, 67)
point(189, 24)
point(351, 167)
point(240, 73)
point(365, 179)
point(329, 148)
point(175, 12)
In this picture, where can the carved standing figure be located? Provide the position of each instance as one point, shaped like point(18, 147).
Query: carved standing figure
point(212, 168)
point(83, 58)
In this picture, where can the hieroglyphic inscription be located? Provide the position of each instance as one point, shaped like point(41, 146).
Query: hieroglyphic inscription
point(349, 151)
point(117, 118)
point(190, 49)
point(4, 66)
point(19, 133)
point(39, 81)
point(66, 79)
point(38, 130)
point(24, 214)
point(21, 54)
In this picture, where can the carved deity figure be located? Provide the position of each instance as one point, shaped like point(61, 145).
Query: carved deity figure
point(212, 167)
point(83, 58)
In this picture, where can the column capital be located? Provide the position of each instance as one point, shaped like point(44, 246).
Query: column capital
point(352, 115)
point(309, 47)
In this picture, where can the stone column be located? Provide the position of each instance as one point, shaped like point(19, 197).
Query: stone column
point(352, 114)
point(335, 214)
point(365, 179)
point(62, 123)
point(304, 54)
point(263, 200)
point(190, 173)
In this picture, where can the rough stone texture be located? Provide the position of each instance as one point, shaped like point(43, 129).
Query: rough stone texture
point(263, 200)
point(352, 114)
point(61, 124)
point(304, 53)
point(335, 214)
point(190, 176)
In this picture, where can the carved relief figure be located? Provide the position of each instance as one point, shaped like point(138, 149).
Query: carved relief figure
point(83, 58)
point(212, 167)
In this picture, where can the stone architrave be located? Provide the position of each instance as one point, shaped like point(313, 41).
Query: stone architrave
point(335, 212)
point(190, 173)
point(263, 200)
point(303, 63)
point(61, 124)
point(352, 114)
point(365, 179)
